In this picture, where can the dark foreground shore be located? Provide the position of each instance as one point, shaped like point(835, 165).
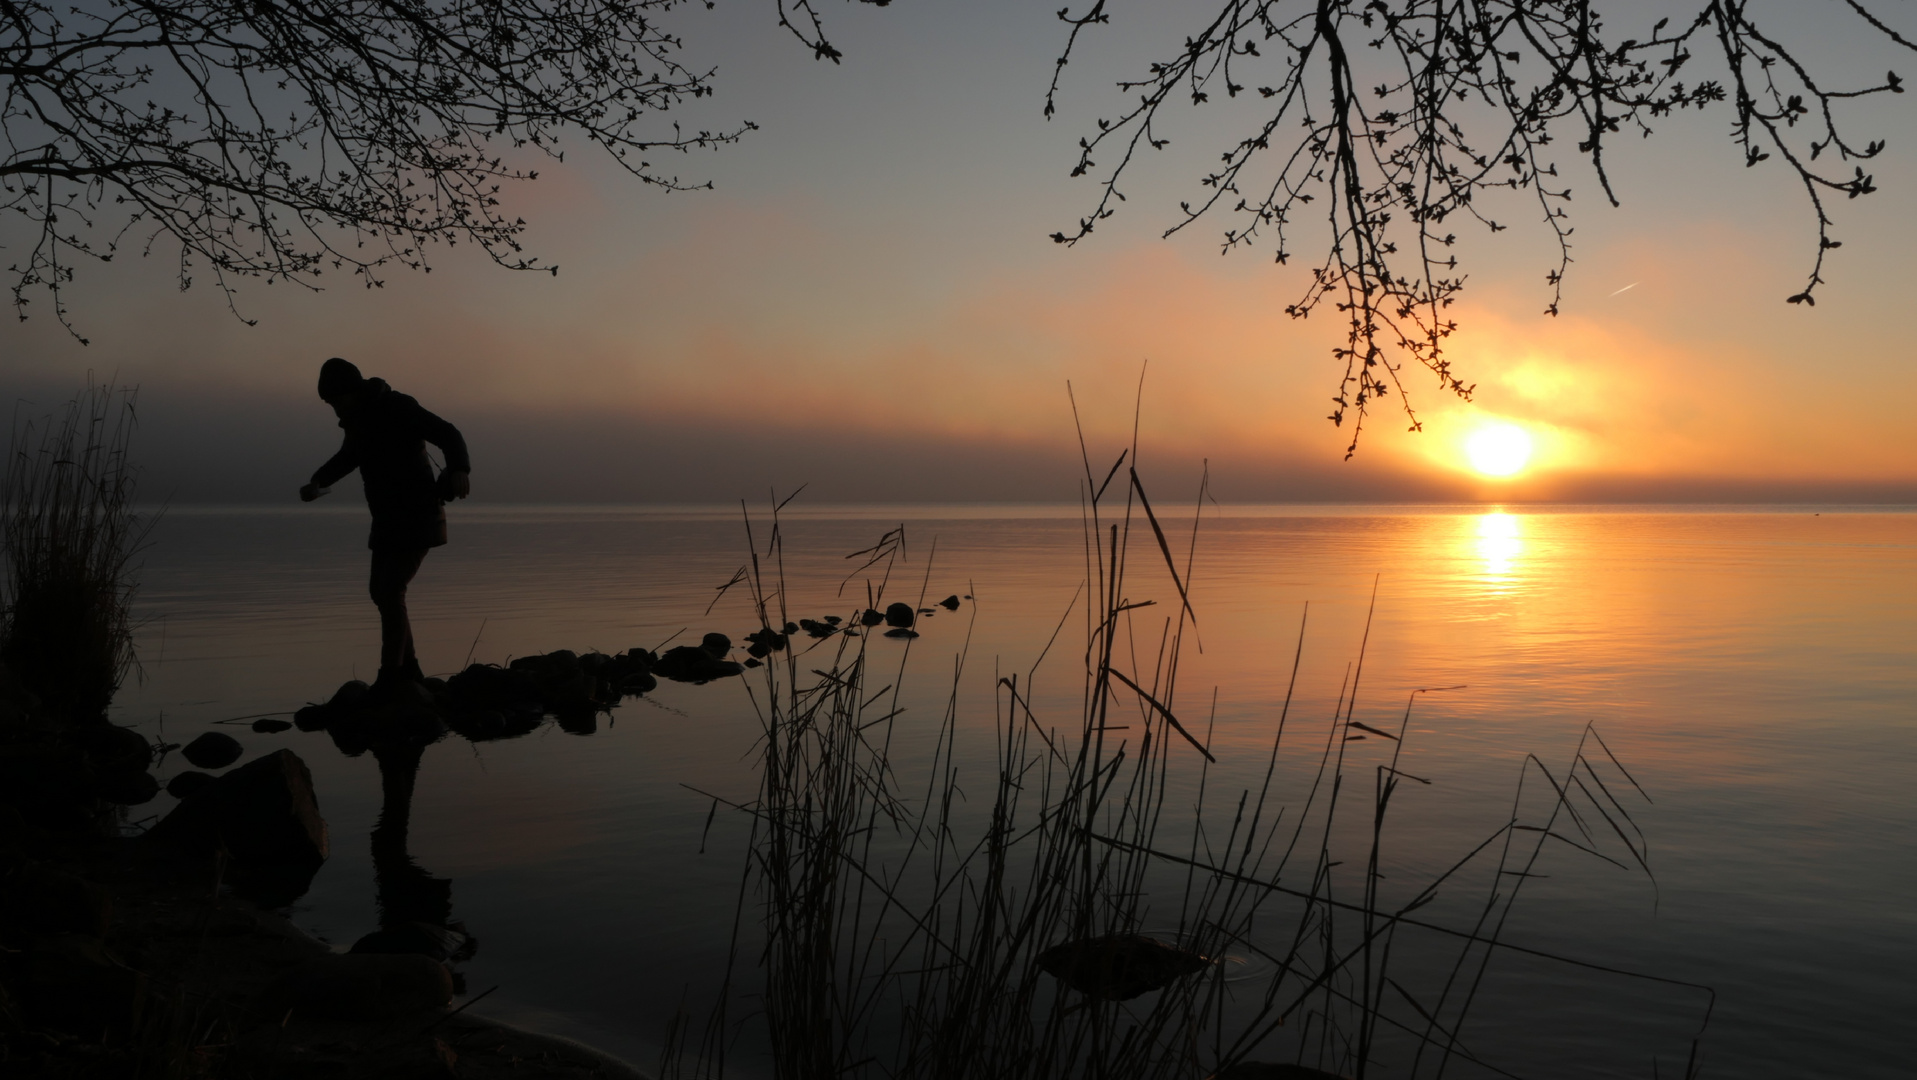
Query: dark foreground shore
point(160, 954)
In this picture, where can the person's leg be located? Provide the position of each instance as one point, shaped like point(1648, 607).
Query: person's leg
point(393, 570)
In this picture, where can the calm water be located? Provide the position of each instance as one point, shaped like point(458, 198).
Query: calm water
point(1757, 671)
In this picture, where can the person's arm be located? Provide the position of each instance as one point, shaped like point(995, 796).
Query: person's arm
point(454, 483)
point(335, 469)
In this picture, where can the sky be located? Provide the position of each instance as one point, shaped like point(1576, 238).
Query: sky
point(867, 303)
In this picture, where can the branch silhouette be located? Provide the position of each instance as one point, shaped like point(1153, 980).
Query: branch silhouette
point(1388, 119)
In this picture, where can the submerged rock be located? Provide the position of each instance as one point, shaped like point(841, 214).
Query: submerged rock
point(690, 663)
point(268, 726)
point(311, 718)
point(113, 748)
point(127, 787)
point(361, 986)
point(950, 603)
point(213, 750)
point(871, 617)
point(818, 629)
point(184, 785)
point(1119, 967)
point(442, 943)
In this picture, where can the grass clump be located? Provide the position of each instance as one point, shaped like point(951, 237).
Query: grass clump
point(70, 534)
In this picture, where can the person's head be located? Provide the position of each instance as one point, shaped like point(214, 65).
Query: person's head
point(339, 382)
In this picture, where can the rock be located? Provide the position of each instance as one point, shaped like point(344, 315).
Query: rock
point(833, 619)
point(871, 617)
point(688, 663)
point(440, 943)
point(1119, 967)
point(213, 750)
point(753, 662)
point(72, 983)
point(1261, 1070)
point(817, 629)
point(489, 687)
point(583, 722)
point(270, 727)
point(950, 603)
point(51, 785)
point(126, 787)
point(361, 986)
point(311, 718)
point(350, 695)
point(764, 641)
point(265, 815)
point(902, 632)
point(900, 615)
point(719, 644)
point(113, 748)
point(39, 899)
point(184, 785)
point(558, 679)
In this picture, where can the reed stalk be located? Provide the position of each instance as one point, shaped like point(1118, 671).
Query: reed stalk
point(891, 925)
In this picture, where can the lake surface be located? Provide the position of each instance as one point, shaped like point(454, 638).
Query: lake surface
point(1754, 668)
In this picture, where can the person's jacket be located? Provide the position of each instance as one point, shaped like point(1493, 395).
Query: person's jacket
point(386, 437)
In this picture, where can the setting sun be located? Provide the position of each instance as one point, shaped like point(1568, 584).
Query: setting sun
point(1498, 449)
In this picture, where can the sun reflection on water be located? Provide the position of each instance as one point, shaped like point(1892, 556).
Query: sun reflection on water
point(1499, 543)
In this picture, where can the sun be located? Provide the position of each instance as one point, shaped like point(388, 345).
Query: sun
point(1498, 449)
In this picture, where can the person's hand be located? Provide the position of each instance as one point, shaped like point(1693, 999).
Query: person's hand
point(454, 485)
point(309, 492)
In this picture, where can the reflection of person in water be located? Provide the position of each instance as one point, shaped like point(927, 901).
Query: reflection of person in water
point(386, 437)
point(415, 908)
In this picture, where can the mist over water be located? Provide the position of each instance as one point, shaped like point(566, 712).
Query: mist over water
point(1753, 668)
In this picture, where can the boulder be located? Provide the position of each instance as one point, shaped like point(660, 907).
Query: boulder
point(183, 785)
point(688, 663)
point(72, 983)
point(213, 750)
point(350, 695)
point(900, 615)
point(51, 785)
point(126, 786)
point(264, 815)
point(1119, 967)
point(113, 748)
point(360, 986)
point(442, 943)
point(719, 644)
point(37, 900)
point(268, 726)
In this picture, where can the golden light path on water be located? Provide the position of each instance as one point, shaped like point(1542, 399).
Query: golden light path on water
point(1499, 543)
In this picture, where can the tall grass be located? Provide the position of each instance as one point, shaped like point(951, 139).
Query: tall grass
point(894, 921)
point(70, 534)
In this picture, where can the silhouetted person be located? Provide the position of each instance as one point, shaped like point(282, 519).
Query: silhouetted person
point(386, 437)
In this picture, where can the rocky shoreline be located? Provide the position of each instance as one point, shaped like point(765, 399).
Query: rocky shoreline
point(160, 953)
